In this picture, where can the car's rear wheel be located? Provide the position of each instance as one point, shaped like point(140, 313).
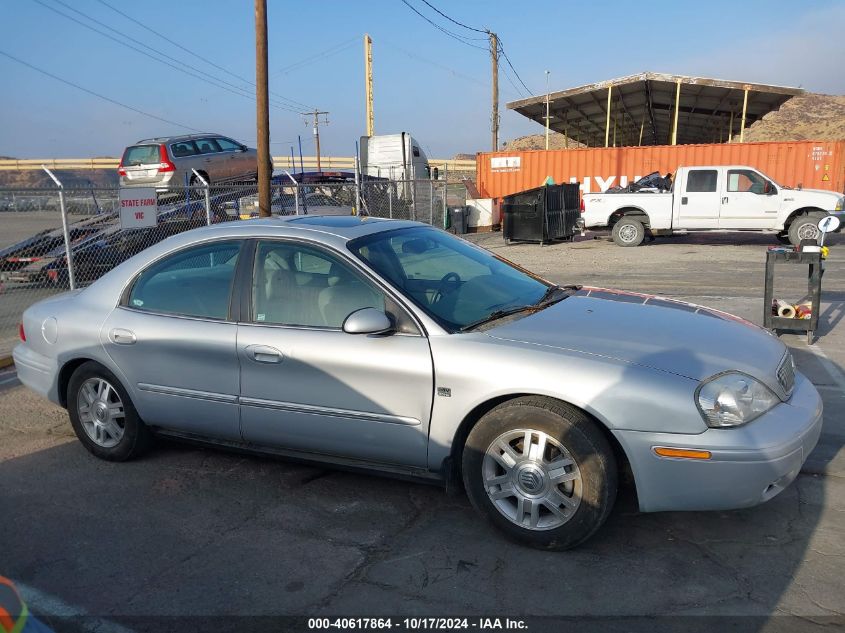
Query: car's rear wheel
point(541, 471)
point(103, 416)
point(628, 232)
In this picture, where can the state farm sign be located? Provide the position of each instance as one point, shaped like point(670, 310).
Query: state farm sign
point(138, 207)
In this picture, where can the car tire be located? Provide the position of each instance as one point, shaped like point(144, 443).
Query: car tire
point(805, 227)
point(554, 497)
point(103, 416)
point(628, 232)
point(783, 238)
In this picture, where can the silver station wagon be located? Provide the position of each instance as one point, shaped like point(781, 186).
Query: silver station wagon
point(394, 346)
point(168, 162)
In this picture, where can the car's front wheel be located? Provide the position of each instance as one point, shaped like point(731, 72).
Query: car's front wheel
point(102, 415)
point(805, 227)
point(541, 471)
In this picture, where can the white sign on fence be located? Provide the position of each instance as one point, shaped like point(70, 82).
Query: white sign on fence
point(138, 207)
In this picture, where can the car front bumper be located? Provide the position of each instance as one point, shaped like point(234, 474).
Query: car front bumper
point(748, 466)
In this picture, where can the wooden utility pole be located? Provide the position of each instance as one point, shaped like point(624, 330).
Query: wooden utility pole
point(368, 80)
point(494, 56)
point(316, 114)
point(262, 119)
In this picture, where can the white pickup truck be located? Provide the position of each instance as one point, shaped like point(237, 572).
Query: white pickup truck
point(731, 197)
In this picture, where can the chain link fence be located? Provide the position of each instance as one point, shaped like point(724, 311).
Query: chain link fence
point(33, 239)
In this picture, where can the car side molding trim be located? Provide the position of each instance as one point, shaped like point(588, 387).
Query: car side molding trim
point(328, 411)
point(188, 393)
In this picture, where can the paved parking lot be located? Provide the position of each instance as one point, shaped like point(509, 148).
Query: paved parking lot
point(190, 531)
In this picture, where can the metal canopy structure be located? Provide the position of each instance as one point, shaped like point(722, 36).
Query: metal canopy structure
point(655, 109)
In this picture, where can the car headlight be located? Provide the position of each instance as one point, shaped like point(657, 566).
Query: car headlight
point(733, 399)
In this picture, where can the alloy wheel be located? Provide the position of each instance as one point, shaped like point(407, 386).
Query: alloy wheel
point(532, 479)
point(101, 412)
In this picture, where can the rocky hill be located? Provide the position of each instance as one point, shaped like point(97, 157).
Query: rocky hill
point(538, 141)
point(805, 117)
point(809, 116)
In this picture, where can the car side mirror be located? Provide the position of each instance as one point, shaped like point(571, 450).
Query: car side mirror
point(244, 148)
point(368, 321)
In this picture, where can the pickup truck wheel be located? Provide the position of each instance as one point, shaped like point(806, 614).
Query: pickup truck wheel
point(805, 227)
point(628, 232)
point(541, 472)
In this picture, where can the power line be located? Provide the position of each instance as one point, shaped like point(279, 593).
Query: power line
point(332, 50)
point(507, 59)
point(519, 91)
point(451, 71)
point(218, 83)
point(453, 20)
point(455, 36)
point(197, 55)
point(96, 94)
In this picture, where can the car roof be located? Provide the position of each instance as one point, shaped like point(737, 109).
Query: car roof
point(176, 139)
point(345, 227)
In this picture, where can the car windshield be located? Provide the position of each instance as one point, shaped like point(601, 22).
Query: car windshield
point(458, 284)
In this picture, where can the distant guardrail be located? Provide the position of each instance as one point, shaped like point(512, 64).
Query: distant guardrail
point(280, 162)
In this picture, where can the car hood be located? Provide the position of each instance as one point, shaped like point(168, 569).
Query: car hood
point(817, 196)
point(664, 334)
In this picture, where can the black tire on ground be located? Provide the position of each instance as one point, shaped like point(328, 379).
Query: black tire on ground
point(628, 232)
point(783, 238)
point(805, 227)
point(136, 438)
point(594, 469)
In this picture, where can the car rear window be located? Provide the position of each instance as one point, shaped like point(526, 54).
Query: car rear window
point(141, 155)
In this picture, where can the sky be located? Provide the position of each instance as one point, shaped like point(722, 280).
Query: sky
point(426, 82)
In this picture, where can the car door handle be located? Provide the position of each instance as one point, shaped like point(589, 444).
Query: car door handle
point(264, 354)
point(122, 337)
point(684, 200)
point(725, 200)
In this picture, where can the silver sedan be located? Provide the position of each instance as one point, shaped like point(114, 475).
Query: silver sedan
point(396, 347)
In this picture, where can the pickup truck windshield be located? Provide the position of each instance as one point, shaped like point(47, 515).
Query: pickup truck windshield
point(454, 282)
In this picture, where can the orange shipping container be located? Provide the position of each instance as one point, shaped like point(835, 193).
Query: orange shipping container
point(811, 164)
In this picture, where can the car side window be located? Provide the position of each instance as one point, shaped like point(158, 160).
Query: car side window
point(179, 150)
point(193, 282)
point(702, 180)
point(299, 285)
point(745, 181)
point(226, 145)
point(207, 146)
